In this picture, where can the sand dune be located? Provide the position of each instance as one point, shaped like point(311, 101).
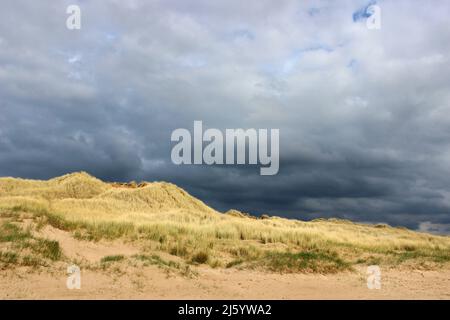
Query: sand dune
point(154, 240)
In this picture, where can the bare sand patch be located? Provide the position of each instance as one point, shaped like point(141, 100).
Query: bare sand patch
point(153, 283)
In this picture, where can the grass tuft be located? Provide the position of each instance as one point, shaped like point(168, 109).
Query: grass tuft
point(305, 261)
point(114, 258)
point(200, 257)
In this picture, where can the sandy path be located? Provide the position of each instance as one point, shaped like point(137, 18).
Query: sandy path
point(154, 283)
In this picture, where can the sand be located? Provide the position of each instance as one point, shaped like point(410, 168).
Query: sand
point(153, 283)
point(124, 281)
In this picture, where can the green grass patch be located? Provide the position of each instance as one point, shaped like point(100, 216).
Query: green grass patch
point(167, 265)
point(9, 257)
point(304, 261)
point(114, 258)
point(10, 232)
point(28, 249)
point(438, 256)
point(32, 261)
point(49, 249)
point(157, 260)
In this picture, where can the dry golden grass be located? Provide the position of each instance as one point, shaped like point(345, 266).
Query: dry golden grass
point(169, 219)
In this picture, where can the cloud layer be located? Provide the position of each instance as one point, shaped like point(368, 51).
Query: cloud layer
point(364, 115)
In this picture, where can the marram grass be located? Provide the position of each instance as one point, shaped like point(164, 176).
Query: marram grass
point(168, 219)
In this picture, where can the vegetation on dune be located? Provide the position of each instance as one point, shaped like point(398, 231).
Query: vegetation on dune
point(168, 219)
point(114, 258)
point(20, 247)
point(321, 261)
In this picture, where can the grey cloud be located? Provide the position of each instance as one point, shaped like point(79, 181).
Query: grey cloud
point(363, 115)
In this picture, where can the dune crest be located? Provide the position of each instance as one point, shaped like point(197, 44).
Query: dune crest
point(168, 220)
point(80, 190)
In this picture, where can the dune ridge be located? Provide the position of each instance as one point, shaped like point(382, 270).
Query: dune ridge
point(169, 220)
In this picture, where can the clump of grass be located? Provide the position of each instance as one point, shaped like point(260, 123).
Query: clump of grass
point(8, 257)
point(305, 261)
point(179, 249)
point(10, 232)
point(200, 257)
point(113, 258)
point(28, 249)
point(234, 263)
point(58, 222)
point(49, 249)
point(245, 252)
point(107, 230)
point(437, 256)
point(156, 260)
point(32, 261)
point(371, 260)
point(168, 265)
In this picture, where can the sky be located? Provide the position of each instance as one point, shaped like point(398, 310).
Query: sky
point(363, 114)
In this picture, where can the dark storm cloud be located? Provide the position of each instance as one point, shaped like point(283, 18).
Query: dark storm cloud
point(363, 115)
